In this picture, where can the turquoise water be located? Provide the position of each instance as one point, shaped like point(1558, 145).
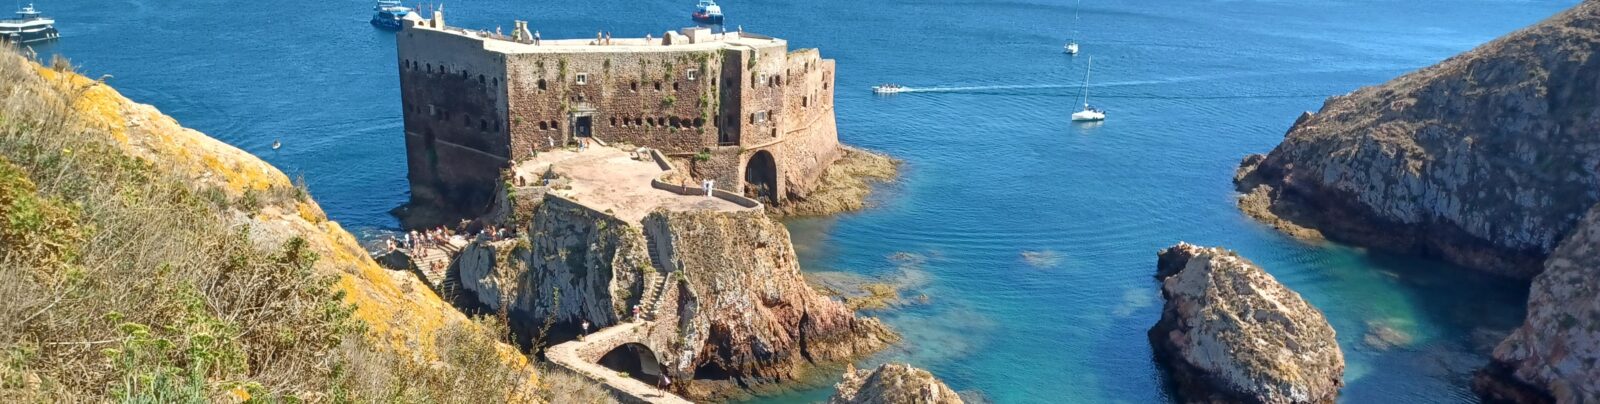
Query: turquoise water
point(993, 168)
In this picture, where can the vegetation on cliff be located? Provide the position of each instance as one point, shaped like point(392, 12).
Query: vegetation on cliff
point(142, 261)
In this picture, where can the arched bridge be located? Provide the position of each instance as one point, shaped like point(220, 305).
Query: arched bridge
point(622, 345)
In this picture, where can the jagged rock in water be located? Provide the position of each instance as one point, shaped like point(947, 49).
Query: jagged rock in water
point(1487, 159)
point(729, 310)
point(892, 383)
point(1231, 333)
point(1554, 354)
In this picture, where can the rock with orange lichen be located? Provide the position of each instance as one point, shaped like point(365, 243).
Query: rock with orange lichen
point(398, 310)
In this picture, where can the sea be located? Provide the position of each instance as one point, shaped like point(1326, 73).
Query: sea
point(1023, 245)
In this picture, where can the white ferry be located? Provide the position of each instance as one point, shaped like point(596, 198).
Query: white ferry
point(29, 26)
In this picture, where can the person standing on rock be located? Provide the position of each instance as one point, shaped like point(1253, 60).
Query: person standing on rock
point(663, 382)
point(636, 312)
point(585, 334)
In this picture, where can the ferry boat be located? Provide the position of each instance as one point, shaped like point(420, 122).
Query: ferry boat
point(708, 12)
point(888, 89)
point(388, 14)
point(29, 26)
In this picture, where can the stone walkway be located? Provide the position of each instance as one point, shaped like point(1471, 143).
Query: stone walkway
point(606, 178)
point(581, 357)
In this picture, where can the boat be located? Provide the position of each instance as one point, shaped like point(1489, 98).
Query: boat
point(888, 89)
point(389, 14)
point(1089, 113)
point(707, 12)
point(29, 26)
point(1071, 48)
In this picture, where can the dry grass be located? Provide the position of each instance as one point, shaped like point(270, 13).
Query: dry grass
point(126, 283)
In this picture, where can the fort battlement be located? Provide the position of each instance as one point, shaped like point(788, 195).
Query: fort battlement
point(734, 107)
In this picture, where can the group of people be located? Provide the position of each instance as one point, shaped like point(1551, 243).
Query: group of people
point(418, 242)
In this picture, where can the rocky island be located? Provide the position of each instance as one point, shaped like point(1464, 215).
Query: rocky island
point(1229, 332)
point(1489, 160)
point(892, 383)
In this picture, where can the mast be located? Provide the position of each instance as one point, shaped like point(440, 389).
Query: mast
point(1086, 83)
point(1075, 8)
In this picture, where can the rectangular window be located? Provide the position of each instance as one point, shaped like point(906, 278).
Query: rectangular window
point(758, 117)
point(760, 78)
point(432, 111)
point(583, 78)
point(692, 74)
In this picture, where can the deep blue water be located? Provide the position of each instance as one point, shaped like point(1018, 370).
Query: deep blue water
point(993, 168)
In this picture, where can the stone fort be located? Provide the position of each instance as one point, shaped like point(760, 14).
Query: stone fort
point(734, 107)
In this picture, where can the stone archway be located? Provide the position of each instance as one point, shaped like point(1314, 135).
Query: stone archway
point(761, 177)
point(635, 359)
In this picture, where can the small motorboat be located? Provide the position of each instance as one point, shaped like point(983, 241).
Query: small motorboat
point(707, 12)
point(888, 89)
point(1071, 48)
point(1089, 113)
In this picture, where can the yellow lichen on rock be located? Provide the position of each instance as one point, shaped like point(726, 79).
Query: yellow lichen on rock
point(399, 311)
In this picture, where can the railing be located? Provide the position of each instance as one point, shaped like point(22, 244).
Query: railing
point(657, 183)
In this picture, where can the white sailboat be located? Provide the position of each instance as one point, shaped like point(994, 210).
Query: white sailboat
point(1089, 113)
point(1071, 48)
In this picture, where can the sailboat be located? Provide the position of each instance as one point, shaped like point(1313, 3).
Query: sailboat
point(1071, 48)
point(1088, 114)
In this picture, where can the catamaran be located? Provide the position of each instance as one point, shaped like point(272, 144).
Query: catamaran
point(1089, 113)
point(29, 26)
point(1071, 48)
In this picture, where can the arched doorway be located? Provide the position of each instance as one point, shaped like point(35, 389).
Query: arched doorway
point(761, 177)
point(635, 359)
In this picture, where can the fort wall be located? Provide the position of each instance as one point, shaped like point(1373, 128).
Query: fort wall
point(759, 118)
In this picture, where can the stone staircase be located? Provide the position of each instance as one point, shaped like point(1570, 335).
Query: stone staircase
point(655, 282)
point(439, 277)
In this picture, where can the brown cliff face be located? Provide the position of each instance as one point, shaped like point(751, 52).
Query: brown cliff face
point(733, 315)
point(1556, 352)
point(1487, 159)
point(745, 311)
point(1231, 333)
point(892, 383)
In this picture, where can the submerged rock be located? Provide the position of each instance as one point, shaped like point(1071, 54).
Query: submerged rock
point(1556, 353)
point(1229, 332)
point(1487, 159)
point(892, 383)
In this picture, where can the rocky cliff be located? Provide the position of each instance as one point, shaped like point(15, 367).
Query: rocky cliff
point(1556, 352)
point(1229, 332)
point(1487, 159)
point(728, 311)
point(892, 383)
point(843, 186)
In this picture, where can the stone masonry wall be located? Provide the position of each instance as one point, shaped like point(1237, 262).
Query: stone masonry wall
point(452, 94)
point(663, 100)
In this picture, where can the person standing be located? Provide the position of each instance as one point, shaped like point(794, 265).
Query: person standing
point(585, 334)
point(711, 186)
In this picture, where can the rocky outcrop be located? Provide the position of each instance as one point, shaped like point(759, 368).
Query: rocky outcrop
point(1231, 333)
point(1487, 159)
point(843, 186)
point(727, 309)
point(892, 383)
point(1556, 352)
